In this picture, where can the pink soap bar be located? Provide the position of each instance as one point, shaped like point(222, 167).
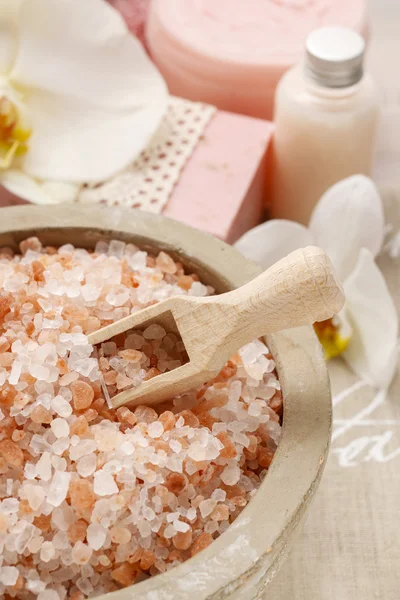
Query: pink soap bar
point(222, 188)
point(232, 54)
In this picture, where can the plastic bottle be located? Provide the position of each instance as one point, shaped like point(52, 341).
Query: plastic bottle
point(326, 116)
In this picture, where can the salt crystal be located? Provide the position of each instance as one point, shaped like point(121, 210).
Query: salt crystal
point(127, 448)
point(39, 372)
point(84, 586)
point(181, 526)
point(87, 367)
point(30, 471)
point(191, 514)
point(74, 274)
point(180, 422)
point(9, 575)
point(82, 448)
point(104, 484)
point(63, 516)
point(61, 445)
point(113, 466)
point(35, 495)
point(255, 408)
point(66, 249)
point(169, 532)
point(38, 444)
point(10, 505)
point(109, 348)
point(144, 529)
point(218, 495)
point(166, 263)
point(198, 289)
point(116, 248)
point(60, 427)
point(60, 540)
point(96, 536)
point(134, 341)
point(251, 352)
point(90, 293)
point(118, 296)
point(101, 247)
point(47, 552)
point(275, 431)
point(148, 513)
point(211, 527)
point(61, 406)
point(197, 452)
point(81, 553)
point(48, 595)
point(15, 373)
point(37, 587)
point(155, 429)
point(231, 474)
point(154, 332)
point(3, 376)
point(86, 465)
point(104, 560)
point(58, 488)
point(23, 539)
point(175, 464)
point(68, 379)
point(123, 381)
point(138, 261)
point(235, 391)
point(172, 516)
point(120, 535)
point(206, 507)
point(175, 445)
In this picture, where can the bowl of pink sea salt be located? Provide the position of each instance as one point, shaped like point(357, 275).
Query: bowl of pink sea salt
point(200, 495)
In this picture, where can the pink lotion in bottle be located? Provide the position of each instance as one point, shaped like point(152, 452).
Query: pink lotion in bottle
point(326, 116)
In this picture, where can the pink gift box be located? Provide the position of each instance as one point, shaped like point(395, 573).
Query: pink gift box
point(222, 187)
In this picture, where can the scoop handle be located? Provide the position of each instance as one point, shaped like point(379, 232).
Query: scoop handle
point(301, 289)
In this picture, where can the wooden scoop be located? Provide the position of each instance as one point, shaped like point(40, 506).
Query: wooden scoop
point(299, 290)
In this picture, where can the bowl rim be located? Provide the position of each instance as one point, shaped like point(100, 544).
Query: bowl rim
point(251, 546)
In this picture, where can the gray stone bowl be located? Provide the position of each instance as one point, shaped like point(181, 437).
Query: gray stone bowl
point(240, 564)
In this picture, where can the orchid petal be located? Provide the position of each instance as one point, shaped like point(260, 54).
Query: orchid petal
point(269, 242)
point(80, 143)
point(99, 99)
point(27, 188)
point(348, 217)
point(373, 350)
point(84, 50)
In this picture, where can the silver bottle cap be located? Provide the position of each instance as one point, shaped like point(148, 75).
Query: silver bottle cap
point(334, 57)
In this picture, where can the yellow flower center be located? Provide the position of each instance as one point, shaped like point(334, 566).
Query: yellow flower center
point(334, 341)
point(13, 135)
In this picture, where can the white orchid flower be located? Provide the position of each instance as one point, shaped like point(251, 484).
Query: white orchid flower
point(348, 223)
point(79, 98)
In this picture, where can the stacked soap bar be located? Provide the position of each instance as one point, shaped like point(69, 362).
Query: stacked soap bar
point(232, 54)
point(222, 187)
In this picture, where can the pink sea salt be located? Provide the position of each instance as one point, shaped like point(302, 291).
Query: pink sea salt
point(93, 499)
